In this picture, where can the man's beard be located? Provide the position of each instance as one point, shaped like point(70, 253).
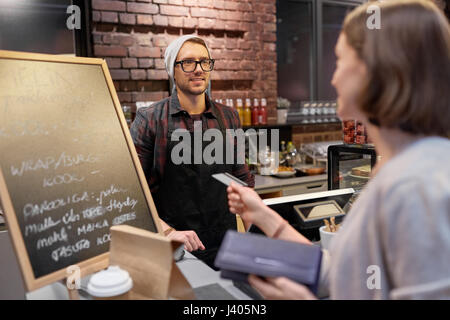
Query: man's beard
point(195, 92)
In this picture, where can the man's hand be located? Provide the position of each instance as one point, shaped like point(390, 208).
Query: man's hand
point(189, 238)
point(280, 288)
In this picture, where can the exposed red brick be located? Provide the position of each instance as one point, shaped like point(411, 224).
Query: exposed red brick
point(128, 86)
point(127, 18)
point(144, 19)
point(113, 63)
point(247, 65)
point(97, 38)
point(270, 18)
point(244, 45)
point(138, 74)
point(240, 33)
point(218, 54)
point(160, 20)
point(217, 43)
point(271, 8)
point(124, 96)
point(190, 3)
point(245, 7)
point(248, 16)
point(159, 64)
point(109, 51)
point(148, 96)
point(159, 41)
point(148, 8)
point(269, 37)
point(233, 65)
point(129, 63)
point(110, 17)
point(157, 74)
point(233, 15)
point(173, 10)
point(270, 47)
point(231, 5)
point(207, 3)
point(190, 22)
point(270, 27)
point(176, 2)
point(231, 25)
point(143, 39)
point(119, 74)
point(96, 16)
point(204, 12)
point(219, 4)
point(204, 23)
point(176, 22)
point(250, 36)
point(145, 63)
point(220, 65)
point(125, 40)
point(220, 24)
point(108, 5)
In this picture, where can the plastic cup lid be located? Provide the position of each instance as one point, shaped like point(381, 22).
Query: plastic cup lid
point(110, 282)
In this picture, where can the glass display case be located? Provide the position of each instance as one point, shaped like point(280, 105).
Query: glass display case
point(349, 166)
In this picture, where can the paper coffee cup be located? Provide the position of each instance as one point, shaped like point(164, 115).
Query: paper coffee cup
point(110, 284)
point(325, 237)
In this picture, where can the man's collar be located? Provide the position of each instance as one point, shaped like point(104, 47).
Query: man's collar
point(175, 106)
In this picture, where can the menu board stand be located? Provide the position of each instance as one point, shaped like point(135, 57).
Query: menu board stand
point(68, 167)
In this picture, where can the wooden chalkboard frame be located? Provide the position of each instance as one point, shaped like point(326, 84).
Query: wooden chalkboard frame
point(101, 261)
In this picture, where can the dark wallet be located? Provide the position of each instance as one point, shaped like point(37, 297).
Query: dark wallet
point(241, 254)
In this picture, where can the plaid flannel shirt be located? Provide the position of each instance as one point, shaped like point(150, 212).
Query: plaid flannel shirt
point(149, 133)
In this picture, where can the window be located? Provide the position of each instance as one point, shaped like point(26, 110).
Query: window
point(295, 40)
point(307, 31)
point(40, 26)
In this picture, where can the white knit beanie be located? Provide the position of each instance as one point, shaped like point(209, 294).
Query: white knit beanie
point(171, 54)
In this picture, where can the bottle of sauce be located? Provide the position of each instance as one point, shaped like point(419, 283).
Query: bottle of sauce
point(255, 112)
point(247, 113)
point(231, 105)
point(240, 110)
point(262, 114)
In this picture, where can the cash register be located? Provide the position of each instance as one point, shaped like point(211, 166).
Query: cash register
point(306, 212)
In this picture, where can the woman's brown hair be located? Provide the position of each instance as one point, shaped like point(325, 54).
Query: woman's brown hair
point(408, 65)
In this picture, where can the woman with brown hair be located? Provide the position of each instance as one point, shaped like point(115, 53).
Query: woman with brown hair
point(395, 241)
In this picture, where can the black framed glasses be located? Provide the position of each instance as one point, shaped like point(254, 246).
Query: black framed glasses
point(190, 65)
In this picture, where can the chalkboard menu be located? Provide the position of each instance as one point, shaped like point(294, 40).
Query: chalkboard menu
point(69, 170)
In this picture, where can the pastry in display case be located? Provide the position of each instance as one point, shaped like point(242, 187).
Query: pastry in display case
point(350, 166)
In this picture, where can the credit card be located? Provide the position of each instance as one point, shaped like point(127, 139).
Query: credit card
point(227, 178)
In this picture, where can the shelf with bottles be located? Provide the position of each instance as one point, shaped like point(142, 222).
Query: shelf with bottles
point(249, 114)
point(313, 112)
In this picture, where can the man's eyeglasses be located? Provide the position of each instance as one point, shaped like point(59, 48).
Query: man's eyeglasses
point(190, 65)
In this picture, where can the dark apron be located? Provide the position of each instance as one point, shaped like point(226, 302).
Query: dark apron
point(189, 198)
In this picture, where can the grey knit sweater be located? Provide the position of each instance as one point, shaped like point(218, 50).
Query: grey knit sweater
point(395, 241)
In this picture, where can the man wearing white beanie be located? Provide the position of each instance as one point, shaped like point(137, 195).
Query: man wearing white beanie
point(192, 205)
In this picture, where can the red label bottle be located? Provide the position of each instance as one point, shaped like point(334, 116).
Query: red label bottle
point(255, 112)
point(262, 115)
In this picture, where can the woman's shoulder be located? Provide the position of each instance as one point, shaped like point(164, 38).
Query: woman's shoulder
point(425, 159)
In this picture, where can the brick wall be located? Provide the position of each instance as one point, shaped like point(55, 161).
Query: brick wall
point(132, 37)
